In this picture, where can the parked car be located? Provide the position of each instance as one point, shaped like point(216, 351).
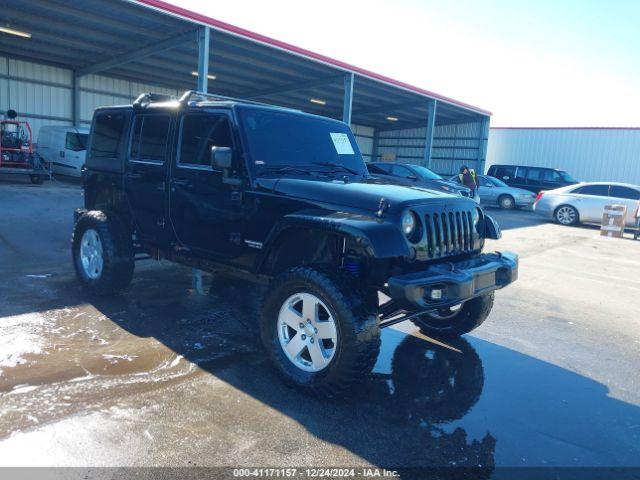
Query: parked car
point(64, 148)
point(531, 178)
point(585, 202)
point(283, 198)
point(415, 175)
point(497, 193)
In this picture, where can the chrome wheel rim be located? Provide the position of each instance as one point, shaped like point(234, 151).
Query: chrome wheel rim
point(566, 215)
point(91, 254)
point(307, 332)
point(507, 203)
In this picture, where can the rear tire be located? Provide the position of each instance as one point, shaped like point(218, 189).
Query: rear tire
point(506, 202)
point(102, 253)
point(566, 215)
point(346, 339)
point(451, 323)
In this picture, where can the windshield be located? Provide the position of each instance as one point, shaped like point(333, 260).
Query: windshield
point(566, 177)
point(425, 173)
point(283, 139)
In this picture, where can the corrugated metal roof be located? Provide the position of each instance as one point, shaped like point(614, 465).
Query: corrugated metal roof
point(223, 26)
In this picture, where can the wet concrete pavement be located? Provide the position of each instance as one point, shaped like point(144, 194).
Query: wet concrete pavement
point(164, 376)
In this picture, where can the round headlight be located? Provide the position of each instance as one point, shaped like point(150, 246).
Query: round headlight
point(477, 213)
point(408, 223)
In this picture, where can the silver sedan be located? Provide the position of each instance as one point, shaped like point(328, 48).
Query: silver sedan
point(497, 193)
point(585, 202)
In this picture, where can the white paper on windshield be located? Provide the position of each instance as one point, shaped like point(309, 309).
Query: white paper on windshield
point(342, 143)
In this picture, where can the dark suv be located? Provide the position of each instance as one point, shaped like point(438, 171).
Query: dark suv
point(283, 198)
point(533, 179)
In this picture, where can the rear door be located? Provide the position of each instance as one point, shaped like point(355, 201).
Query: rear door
point(146, 174)
point(534, 179)
point(590, 201)
point(626, 196)
point(520, 179)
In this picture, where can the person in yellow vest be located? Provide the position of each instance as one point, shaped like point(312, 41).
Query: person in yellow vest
point(469, 179)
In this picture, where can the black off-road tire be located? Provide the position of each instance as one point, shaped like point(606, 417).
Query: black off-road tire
point(357, 325)
point(506, 202)
point(118, 256)
point(470, 316)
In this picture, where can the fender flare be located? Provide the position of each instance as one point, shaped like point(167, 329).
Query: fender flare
point(378, 238)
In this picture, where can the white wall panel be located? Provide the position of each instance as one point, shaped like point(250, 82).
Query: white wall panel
point(587, 154)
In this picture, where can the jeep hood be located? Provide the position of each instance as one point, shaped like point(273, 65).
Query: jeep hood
point(364, 194)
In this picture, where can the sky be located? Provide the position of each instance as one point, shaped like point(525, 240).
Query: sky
point(530, 62)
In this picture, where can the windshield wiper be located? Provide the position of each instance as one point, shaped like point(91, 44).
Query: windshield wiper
point(337, 165)
point(283, 169)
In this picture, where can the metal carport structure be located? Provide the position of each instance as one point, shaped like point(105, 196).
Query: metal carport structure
point(152, 42)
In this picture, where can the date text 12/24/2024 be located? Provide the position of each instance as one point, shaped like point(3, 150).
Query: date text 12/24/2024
point(315, 472)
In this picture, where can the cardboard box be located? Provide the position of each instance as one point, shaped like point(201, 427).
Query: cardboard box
point(613, 220)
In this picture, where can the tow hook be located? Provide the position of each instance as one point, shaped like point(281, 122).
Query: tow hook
point(383, 206)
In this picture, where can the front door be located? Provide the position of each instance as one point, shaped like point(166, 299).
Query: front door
point(145, 175)
point(205, 211)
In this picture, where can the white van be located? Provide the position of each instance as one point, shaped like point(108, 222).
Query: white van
point(64, 147)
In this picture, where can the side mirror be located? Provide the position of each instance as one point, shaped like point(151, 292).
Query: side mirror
point(506, 178)
point(412, 177)
point(221, 158)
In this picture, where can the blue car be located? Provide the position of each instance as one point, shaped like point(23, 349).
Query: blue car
point(495, 192)
point(416, 175)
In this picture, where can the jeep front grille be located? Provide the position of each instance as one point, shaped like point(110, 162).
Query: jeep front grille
point(449, 233)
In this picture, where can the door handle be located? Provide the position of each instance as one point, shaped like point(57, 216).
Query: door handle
point(181, 182)
point(134, 175)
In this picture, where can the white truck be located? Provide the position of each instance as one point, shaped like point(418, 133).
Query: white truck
point(64, 148)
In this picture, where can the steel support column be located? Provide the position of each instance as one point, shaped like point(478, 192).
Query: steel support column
point(483, 138)
point(75, 99)
point(374, 148)
point(203, 58)
point(431, 126)
point(348, 98)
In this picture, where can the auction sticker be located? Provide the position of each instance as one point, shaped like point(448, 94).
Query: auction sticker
point(342, 143)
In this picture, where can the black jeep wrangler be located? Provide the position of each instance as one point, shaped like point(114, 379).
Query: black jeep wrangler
point(282, 197)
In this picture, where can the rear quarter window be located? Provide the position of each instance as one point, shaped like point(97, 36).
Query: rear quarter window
point(107, 140)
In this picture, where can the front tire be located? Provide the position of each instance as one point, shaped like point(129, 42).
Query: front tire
point(102, 253)
point(454, 322)
point(322, 334)
point(36, 179)
point(566, 215)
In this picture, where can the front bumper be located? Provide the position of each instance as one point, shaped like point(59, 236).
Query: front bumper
point(457, 281)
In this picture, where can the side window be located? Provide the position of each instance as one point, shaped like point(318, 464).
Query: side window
point(534, 175)
point(624, 192)
point(521, 173)
point(502, 172)
point(198, 134)
point(484, 182)
point(107, 133)
point(149, 138)
point(75, 142)
point(400, 171)
point(551, 176)
point(599, 190)
point(379, 169)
